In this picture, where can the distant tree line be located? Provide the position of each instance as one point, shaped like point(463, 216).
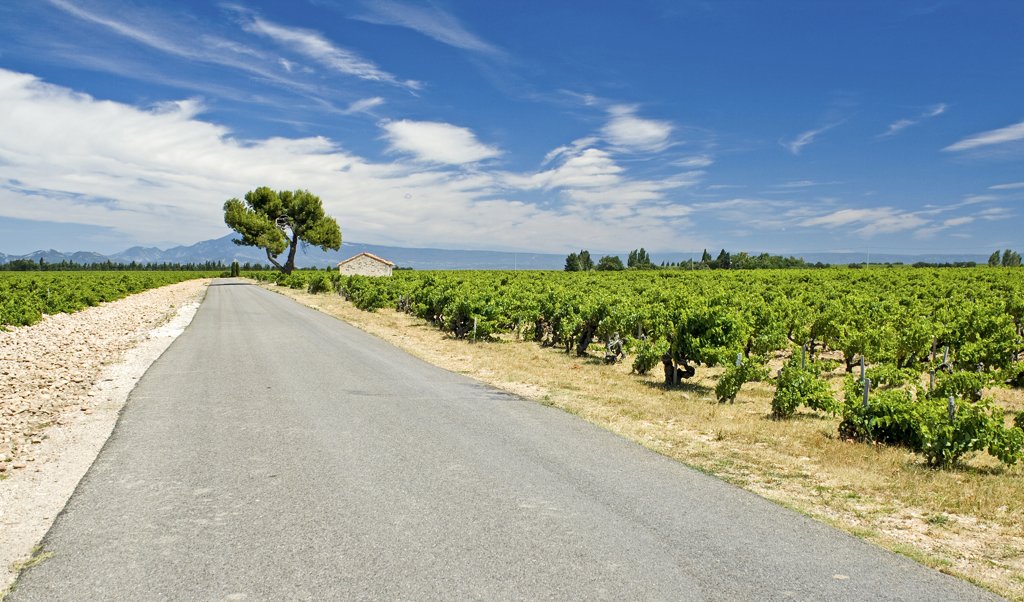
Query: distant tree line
point(640, 259)
point(30, 265)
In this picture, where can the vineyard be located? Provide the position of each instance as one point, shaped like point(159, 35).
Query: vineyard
point(25, 297)
point(920, 348)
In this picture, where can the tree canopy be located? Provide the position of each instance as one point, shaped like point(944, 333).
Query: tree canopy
point(278, 221)
point(610, 263)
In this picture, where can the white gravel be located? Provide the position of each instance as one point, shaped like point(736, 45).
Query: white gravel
point(63, 383)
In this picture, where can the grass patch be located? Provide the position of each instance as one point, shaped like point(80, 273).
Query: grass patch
point(36, 557)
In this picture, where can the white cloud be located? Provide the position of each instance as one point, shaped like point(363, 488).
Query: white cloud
point(797, 144)
point(364, 105)
point(994, 213)
point(437, 142)
point(627, 131)
point(569, 149)
point(161, 32)
point(696, 161)
point(1010, 186)
point(974, 199)
point(1010, 133)
point(313, 45)
point(798, 184)
point(944, 225)
point(162, 174)
point(587, 168)
point(957, 221)
point(902, 124)
point(868, 221)
point(431, 22)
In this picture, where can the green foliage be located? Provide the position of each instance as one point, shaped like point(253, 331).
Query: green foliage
point(572, 263)
point(647, 353)
point(974, 427)
point(639, 260)
point(898, 417)
point(320, 283)
point(892, 416)
point(26, 296)
point(966, 385)
point(707, 336)
point(610, 263)
point(266, 219)
point(586, 263)
point(894, 317)
point(796, 386)
point(889, 376)
point(734, 377)
point(1011, 259)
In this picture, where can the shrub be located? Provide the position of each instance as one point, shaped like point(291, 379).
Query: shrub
point(966, 385)
point(734, 376)
point(974, 427)
point(892, 417)
point(320, 283)
point(798, 386)
point(647, 353)
point(896, 417)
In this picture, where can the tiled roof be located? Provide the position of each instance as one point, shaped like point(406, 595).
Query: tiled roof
point(370, 255)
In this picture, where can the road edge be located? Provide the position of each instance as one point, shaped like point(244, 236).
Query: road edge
point(69, 450)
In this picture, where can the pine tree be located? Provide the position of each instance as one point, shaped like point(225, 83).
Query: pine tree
point(586, 263)
point(572, 263)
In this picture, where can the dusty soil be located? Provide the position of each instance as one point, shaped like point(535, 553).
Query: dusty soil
point(63, 383)
point(967, 522)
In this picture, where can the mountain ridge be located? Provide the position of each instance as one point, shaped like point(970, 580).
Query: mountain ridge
point(420, 258)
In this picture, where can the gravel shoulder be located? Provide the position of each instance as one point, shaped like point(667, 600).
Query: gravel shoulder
point(63, 383)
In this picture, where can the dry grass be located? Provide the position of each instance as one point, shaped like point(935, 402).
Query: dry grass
point(967, 522)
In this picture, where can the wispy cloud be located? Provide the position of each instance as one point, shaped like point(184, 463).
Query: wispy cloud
point(1010, 186)
point(629, 132)
point(132, 31)
point(944, 225)
point(315, 46)
point(869, 221)
point(902, 124)
point(161, 32)
point(1010, 133)
point(797, 144)
point(430, 21)
point(696, 161)
point(437, 142)
point(365, 105)
point(801, 184)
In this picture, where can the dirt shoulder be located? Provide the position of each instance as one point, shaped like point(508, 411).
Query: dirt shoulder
point(63, 383)
point(967, 522)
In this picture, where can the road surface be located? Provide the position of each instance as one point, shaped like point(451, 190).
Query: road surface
point(276, 453)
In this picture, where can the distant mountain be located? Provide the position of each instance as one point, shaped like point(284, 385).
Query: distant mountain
point(223, 250)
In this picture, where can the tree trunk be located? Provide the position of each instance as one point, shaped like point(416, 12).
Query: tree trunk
point(289, 266)
point(274, 261)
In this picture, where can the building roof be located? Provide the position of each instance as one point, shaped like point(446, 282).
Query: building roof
point(370, 255)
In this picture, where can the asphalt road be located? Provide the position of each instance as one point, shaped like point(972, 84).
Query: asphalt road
point(275, 453)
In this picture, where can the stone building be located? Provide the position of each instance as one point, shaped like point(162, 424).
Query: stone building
point(365, 264)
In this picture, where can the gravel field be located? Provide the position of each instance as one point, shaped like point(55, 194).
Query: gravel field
point(63, 382)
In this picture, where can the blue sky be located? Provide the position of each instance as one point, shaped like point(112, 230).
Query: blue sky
point(787, 126)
